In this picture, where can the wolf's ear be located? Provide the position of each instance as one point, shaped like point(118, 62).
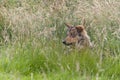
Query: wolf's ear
point(79, 28)
point(68, 25)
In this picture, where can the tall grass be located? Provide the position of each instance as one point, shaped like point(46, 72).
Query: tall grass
point(31, 34)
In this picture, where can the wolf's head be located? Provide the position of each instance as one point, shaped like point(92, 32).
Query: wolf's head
point(74, 34)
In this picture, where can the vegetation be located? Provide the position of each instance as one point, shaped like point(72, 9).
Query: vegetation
point(31, 34)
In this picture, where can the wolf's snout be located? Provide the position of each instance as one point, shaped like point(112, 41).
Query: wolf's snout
point(64, 42)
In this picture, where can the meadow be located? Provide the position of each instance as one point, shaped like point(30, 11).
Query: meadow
point(31, 34)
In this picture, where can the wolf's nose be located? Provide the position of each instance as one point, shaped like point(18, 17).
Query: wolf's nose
point(63, 42)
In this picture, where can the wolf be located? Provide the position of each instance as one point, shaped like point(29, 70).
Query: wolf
point(77, 36)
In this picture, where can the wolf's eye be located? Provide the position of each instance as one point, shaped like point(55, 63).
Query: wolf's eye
point(73, 34)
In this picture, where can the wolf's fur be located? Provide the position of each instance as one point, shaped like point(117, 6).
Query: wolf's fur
point(77, 36)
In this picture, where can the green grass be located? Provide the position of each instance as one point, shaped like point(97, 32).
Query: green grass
point(31, 34)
